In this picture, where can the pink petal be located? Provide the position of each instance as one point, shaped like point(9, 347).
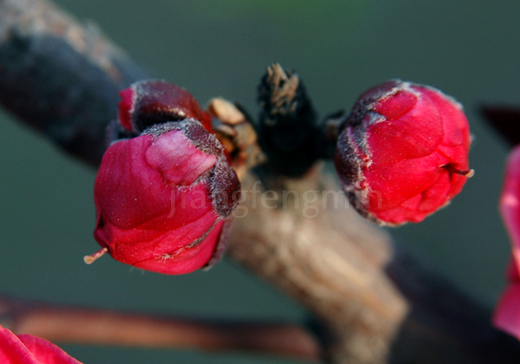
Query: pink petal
point(509, 201)
point(13, 351)
point(177, 159)
point(507, 312)
point(28, 349)
point(45, 352)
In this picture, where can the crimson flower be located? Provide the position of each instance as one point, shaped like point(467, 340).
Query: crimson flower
point(162, 197)
point(507, 312)
point(403, 152)
point(28, 349)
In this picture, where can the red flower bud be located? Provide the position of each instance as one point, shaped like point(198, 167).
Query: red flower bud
point(28, 349)
point(403, 152)
point(151, 102)
point(162, 197)
point(507, 312)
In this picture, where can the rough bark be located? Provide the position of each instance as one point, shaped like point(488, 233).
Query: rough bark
point(376, 302)
point(60, 76)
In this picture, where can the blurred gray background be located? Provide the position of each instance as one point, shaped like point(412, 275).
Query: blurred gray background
point(469, 49)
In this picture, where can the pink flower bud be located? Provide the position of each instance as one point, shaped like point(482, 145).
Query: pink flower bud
point(507, 312)
point(28, 349)
point(162, 197)
point(150, 102)
point(403, 152)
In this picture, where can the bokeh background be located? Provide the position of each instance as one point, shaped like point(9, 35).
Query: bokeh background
point(469, 49)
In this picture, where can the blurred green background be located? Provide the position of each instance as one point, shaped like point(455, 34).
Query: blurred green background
point(469, 49)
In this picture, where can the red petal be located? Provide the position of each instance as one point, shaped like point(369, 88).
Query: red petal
point(455, 123)
point(401, 181)
point(416, 133)
point(396, 105)
point(185, 259)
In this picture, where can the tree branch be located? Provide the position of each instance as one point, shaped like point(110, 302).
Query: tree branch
point(61, 77)
point(374, 301)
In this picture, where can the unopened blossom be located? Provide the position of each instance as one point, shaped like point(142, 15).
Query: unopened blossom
point(402, 153)
point(163, 193)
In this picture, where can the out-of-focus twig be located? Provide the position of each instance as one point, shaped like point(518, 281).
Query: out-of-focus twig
point(62, 324)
